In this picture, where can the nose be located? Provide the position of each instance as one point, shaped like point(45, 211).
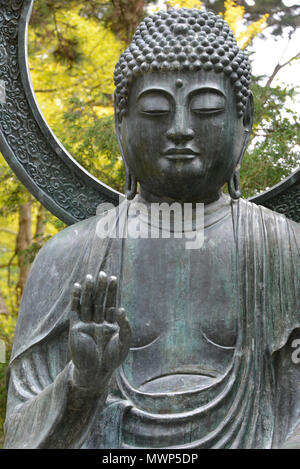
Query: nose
point(180, 132)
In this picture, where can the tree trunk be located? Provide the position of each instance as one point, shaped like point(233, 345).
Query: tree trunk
point(23, 242)
point(125, 17)
point(3, 307)
point(40, 225)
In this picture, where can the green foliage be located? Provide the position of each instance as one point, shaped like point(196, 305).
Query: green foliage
point(72, 59)
point(274, 150)
point(93, 140)
point(281, 16)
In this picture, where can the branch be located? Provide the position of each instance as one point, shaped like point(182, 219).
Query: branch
point(47, 91)
point(6, 230)
point(279, 67)
point(58, 35)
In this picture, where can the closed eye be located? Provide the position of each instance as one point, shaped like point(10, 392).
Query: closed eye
point(214, 110)
point(206, 102)
point(154, 112)
point(153, 104)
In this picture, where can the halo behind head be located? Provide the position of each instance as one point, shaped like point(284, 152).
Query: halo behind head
point(179, 40)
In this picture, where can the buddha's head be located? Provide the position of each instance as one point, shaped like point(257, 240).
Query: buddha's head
point(183, 107)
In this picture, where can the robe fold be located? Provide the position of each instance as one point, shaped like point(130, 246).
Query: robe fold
point(255, 404)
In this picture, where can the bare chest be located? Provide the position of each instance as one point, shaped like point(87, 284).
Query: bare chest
point(181, 306)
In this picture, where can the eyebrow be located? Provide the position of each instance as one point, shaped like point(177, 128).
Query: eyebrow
point(201, 89)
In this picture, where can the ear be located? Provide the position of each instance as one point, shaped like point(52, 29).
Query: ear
point(248, 124)
point(118, 125)
point(249, 117)
point(130, 180)
point(234, 187)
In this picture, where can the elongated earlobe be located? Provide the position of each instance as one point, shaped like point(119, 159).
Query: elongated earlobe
point(234, 185)
point(130, 184)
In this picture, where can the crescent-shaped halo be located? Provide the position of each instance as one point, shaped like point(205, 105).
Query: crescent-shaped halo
point(41, 162)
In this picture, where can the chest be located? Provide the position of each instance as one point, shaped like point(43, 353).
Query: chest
point(166, 287)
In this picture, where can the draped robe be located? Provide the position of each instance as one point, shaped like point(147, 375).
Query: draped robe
point(254, 404)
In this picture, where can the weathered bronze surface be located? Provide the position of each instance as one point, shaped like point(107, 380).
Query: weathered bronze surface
point(139, 342)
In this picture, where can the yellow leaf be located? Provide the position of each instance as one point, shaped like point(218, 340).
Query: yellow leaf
point(184, 4)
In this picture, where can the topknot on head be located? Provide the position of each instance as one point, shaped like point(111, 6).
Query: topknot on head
point(180, 40)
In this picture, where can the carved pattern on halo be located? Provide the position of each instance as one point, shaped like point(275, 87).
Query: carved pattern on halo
point(287, 203)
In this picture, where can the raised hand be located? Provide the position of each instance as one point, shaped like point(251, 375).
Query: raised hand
point(100, 334)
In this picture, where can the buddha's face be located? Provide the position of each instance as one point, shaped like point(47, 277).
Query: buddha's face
point(181, 136)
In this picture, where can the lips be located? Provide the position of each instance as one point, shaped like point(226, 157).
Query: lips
point(180, 153)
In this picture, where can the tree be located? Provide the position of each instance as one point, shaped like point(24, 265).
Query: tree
point(121, 16)
point(281, 17)
point(274, 149)
point(73, 77)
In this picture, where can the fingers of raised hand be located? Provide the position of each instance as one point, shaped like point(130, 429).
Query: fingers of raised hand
point(86, 303)
point(105, 299)
point(100, 295)
point(76, 294)
point(125, 329)
point(97, 322)
point(75, 303)
point(111, 300)
point(95, 301)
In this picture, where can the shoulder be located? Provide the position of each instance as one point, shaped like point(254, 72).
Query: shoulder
point(64, 250)
point(267, 214)
point(71, 237)
point(56, 259)
point(70, 241)
point(272, 227)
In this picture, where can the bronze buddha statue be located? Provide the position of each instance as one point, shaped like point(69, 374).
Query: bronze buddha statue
point(138, 342)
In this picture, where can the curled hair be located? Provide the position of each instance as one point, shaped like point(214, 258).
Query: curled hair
point(180, 40)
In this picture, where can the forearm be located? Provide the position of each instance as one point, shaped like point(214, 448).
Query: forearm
point(58, 417)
